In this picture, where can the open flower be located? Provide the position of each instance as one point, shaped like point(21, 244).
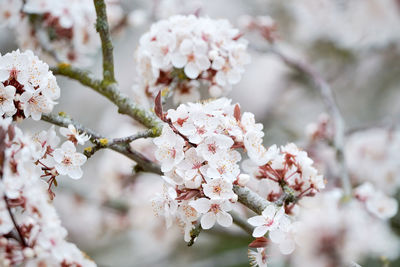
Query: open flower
point(68, 161)
point(170, 149)
point(7, 100)
point(35, 104)
point(73, 135)
point(258, 258)
point(269, 220)
point(218, 189)
point(213, 210)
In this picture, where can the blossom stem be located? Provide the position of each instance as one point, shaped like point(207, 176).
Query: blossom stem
point(2, 161)
point(95, 138)
point(21, 237)
point(194, 233)
point(333, 109)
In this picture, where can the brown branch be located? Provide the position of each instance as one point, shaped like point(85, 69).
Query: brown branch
point(101, 142)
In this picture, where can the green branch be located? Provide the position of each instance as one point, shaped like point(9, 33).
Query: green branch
point(103, 29)
point(111, 91)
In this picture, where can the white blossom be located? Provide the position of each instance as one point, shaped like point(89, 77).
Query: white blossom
point(213, 210)
point(73, 135)
point(68, 161)
point(204, 50)
point(270, 220)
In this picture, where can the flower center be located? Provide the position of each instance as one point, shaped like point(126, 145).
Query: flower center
point(67, 161)
point(217, 189)
point(212, 148)
point(215, 208)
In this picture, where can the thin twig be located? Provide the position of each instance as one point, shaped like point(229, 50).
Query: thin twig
point(103, 29)
point(102, 142)
point(330, 103)
point(128, 139)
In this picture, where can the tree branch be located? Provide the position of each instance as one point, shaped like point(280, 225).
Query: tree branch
point(330, 103)
point(102, 142)
point(251, 199)
point(103, 29)
point(111, 91)
point(242, 223)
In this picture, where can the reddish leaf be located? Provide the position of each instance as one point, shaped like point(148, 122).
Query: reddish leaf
point(158, 106)
point(259, 242)
point(236, 112)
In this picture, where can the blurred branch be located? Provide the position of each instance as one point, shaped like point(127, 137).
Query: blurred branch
point(330, 103)
point(250, 199)
point(101, 142)
point(103, 29)
point(241, 222)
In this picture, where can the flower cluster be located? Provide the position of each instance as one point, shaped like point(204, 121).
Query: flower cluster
point(372, 157)
point(185, 52)
point(25, 208)
point(333, 233)
point(197, 152)
point(60, 29)
point(27, 87)
point(284, 170)
point(376, 202)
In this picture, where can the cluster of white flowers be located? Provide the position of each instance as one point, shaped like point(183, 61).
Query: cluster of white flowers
point(27, 87)
point(276, 171)
point(64, 29)
point(376, 202)
point(185, 52)
point(197, 154)
point(372, 157)
point(333, 233)
point(41, 238)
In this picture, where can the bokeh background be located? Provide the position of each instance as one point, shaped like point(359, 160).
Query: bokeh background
point(353, 44)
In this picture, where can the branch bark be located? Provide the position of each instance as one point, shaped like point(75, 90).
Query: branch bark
point(103, 29)
point(111, 91)
point(251, 199)
point(102, 142)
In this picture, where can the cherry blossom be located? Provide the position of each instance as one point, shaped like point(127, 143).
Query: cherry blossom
point(213, 210)
point(68, 161)
point(60, 28)
point(207, 51)
point(270, 220)
point(42, 239)
point(170, 149)
point(28, 88)
point(73, 135)
point(7, 100)
point(258, 258)
point(218, 189)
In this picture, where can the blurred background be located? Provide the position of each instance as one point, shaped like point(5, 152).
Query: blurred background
point(353, 44)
